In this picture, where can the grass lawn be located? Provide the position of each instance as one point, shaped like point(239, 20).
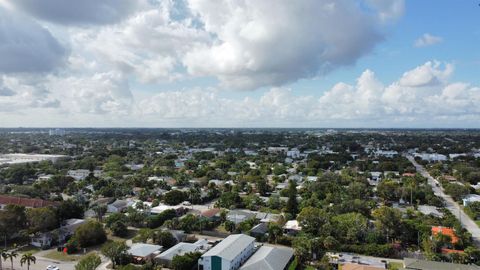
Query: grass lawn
point(60, 256)
point(130, 235)
point(221, 229)
point(29, 249)
point(395, 265)
point(293, 265)
point(477, 222)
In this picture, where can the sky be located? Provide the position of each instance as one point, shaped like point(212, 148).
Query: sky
point(240, 63)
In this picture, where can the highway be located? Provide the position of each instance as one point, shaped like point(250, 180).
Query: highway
point(450, 204)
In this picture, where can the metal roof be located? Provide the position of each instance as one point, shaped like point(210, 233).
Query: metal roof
point(230, 247)
point(143, 250)
point(269, 258)
point(179, 249)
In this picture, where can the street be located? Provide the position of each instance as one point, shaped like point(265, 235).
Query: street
point(450, 204)
point(40, 264)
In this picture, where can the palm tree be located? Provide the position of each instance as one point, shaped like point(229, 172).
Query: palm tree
point(27, 258)
point(2, 254)
point(10, 255)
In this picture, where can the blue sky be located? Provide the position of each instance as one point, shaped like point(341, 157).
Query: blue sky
point(268, 63)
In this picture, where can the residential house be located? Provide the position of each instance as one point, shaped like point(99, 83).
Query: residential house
point(141, 252)
point(119, 205)
point(430, 210)
point(259, 231)
point(470, 199)
point(436, 230)
point(212, 214)
point(60, 235)
point(166, 257)
point(292, 227)
point(238, 216)
point(82, 174)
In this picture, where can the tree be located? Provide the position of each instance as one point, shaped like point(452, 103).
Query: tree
point(174, 197)
point(301, 248)
point(70, 209)
point(12, 219)
point(388, 220)
point(115, 217)
point(3, 252)
point(388, 190)
point(10, 255)
point(292, 204)
point(90, 233)
point(228, 200)
point(457, 191)
point(262, 187)
point(119, 228)
point(312, 220)
point(349, 228)
point(275, 231)
point(100, 211)
point(89, 262)
point(41, 219)
point(229, 226)
point(114, 251)
point(165, 239)
point(28, 259)
point(186, 261)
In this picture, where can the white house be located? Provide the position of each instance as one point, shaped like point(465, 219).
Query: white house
point(180, 249)
point(386, 153)
point(376, 176)
point(82, 174)
point(60, 235)
point(293, 153)
point(119, 205)
point(470, 199)
point(431, 157)
point(229, 254)
point(292, 227)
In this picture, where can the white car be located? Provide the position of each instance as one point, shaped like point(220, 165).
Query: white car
point(52, 267)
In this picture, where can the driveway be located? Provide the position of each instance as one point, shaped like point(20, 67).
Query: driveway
point(450, 204)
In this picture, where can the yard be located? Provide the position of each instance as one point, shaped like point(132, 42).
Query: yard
point(61, 256)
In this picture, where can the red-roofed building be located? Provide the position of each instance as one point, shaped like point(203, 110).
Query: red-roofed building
point(445, 231)
point(408, 174)
point(27, 202)
point(212, 214)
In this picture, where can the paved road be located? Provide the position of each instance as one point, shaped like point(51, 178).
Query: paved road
point(41, 264)
point(450, 204)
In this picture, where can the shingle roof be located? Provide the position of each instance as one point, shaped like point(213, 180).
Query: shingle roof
point(269, 258)
point(260, 228)
point(211, 212)
point(178, 249)
point(431, 265)
point(230, 247)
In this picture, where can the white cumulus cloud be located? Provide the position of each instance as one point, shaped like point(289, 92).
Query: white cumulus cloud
point(264, 43)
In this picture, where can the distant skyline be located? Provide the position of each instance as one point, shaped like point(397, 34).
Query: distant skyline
point(240, 63)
